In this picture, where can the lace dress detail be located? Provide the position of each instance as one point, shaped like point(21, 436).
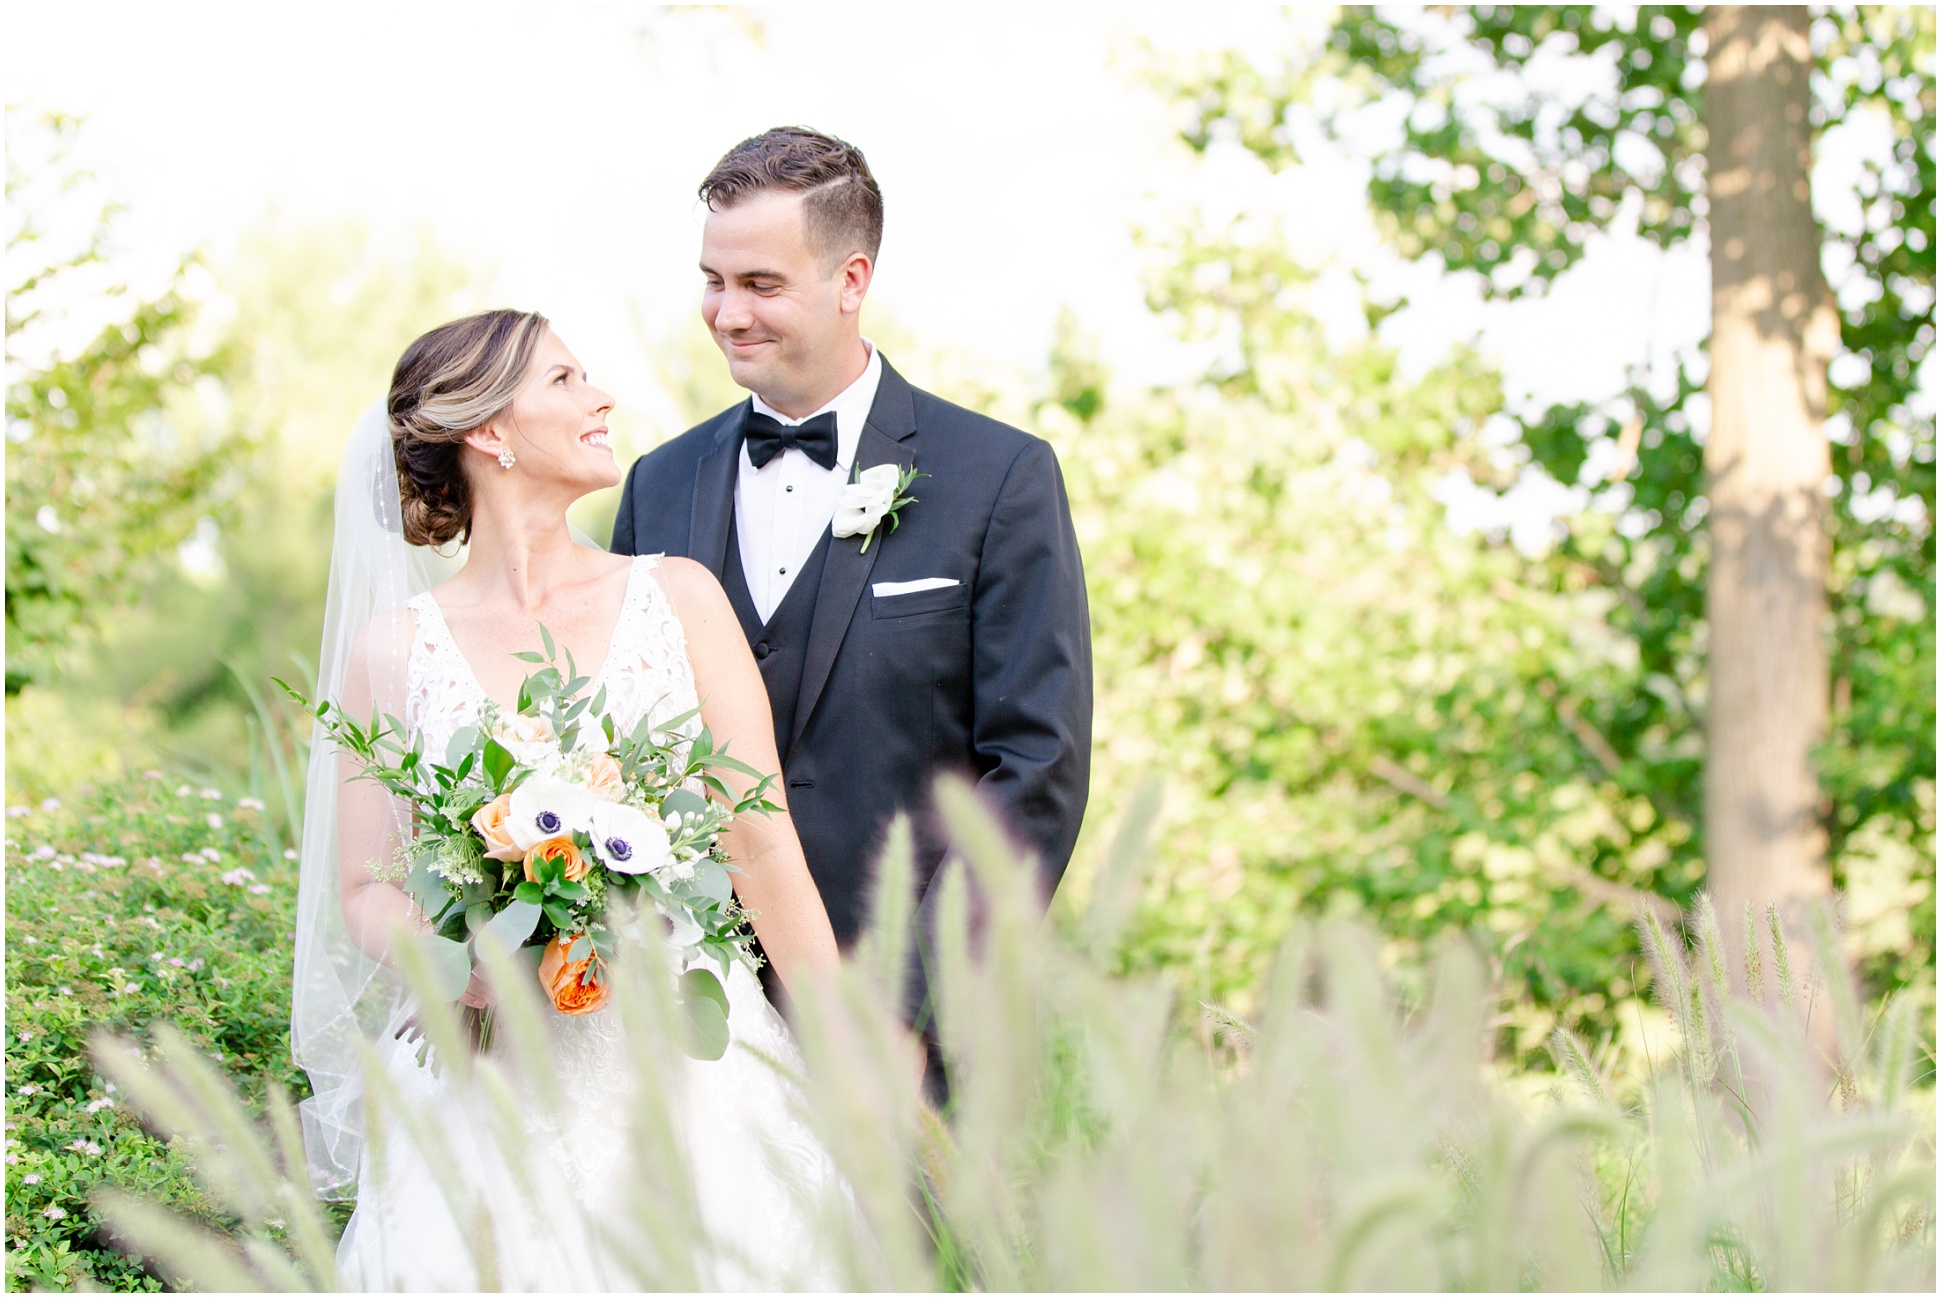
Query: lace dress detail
point(753, 1155)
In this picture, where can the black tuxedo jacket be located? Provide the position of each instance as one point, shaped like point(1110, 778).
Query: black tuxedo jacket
point(991, 678)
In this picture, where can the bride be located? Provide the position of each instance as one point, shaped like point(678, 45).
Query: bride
point(491, 430)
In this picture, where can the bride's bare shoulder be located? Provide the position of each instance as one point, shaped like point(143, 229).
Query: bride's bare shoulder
point(697, 596)
point(687, 576)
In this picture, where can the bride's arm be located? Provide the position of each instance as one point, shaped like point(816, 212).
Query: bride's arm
point(371, 824)
point(774, 880)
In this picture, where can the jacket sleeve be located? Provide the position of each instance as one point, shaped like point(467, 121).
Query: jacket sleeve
point(623, 522)
point(1031, 663)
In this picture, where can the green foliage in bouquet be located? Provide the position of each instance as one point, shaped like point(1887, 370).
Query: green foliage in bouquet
point(534, 826)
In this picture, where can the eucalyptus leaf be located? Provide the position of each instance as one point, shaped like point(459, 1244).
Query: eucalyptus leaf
point(686, 803)
point(513, 925)
point(462, 745)
point(424, 887)
point(699, 982)
point(450, 964)
point(707, 1025)
point(711, 880)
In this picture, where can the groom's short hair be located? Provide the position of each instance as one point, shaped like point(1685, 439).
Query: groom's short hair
point(841, 205)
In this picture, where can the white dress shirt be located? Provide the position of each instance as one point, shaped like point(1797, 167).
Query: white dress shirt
point(783, 508)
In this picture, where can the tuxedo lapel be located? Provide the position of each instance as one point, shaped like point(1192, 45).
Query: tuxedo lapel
point(714, 497)
point(892, 419)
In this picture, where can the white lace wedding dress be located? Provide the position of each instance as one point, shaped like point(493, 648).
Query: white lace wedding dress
point(757, 1168)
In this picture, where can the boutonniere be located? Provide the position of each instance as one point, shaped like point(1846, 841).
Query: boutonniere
point(870, 496)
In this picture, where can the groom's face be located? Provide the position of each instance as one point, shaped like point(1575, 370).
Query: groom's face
point(783, 317)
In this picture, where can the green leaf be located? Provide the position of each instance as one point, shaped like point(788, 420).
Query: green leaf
point(424, 887)
point(546, 638)
point(498, 763)
point(463, 744)
point(687, 804)
point(528, 656)
point(477, 916)
point(450, 962)
point(582, 948)
point(711, 880)
point(705, 1017)
point(513, 925)
point(699, 982)
point(528, 893)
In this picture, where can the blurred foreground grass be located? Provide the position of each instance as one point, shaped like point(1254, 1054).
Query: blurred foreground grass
point(1107, 1132)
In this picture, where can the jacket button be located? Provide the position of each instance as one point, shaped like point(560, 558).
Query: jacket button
point(761, 650)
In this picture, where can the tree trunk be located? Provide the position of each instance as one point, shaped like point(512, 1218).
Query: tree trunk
point(1773, 333)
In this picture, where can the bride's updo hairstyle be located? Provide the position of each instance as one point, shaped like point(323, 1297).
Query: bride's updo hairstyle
point(450, 381)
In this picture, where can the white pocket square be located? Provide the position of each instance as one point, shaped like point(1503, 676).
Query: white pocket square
point(911, 587)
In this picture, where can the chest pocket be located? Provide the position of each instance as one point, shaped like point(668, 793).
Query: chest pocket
point(912, 603)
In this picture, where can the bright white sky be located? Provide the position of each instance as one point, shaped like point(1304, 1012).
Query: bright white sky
point(559, 144)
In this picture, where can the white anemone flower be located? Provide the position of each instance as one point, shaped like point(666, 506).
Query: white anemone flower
point(627, 839)
point(545, 808)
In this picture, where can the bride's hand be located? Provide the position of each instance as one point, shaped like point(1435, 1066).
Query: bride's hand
point(478, 993)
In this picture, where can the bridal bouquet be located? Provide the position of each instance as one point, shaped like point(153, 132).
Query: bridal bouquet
point(535, 824)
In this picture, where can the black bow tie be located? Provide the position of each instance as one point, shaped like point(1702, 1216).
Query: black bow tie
point(767, 437)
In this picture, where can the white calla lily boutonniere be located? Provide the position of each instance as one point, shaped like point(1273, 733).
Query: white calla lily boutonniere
point(872, 495)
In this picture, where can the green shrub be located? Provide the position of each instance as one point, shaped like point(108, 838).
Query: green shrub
point(150, 902)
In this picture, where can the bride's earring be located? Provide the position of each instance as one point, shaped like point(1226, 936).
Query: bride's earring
point(507, 459)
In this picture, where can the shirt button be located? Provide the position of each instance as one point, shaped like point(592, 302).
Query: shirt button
point(788, 488)
point(783, 571)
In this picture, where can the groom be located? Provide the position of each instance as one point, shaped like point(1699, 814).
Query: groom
point(949, 637)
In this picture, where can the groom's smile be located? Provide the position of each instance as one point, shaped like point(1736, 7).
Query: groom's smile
point(784, 315)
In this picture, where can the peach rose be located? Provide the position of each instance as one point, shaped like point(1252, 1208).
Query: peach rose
point(563, 850)
point(603, 778)
point(567, 982)
point(490, 821)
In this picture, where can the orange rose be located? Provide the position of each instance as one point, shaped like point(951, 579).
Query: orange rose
point(603, 778)
point(563, 850)
point(567, 982)
point(490, 821)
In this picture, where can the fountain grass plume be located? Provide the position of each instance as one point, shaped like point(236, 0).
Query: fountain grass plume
point(1098, 1136)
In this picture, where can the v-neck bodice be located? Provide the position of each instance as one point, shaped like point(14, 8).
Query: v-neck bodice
point(646, 671)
